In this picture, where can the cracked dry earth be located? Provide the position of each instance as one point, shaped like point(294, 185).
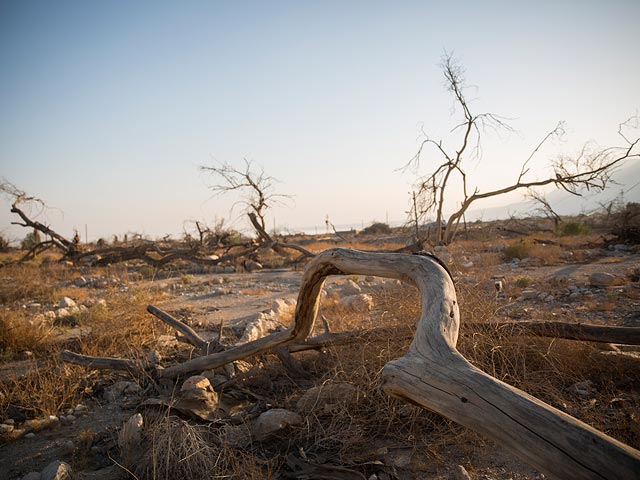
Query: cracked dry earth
point(90, 441)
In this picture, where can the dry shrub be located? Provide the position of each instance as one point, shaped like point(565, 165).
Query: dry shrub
point(17, 335)
point(350, 433)
point(124, 328)
point(175, 448)
point(544, 253)
point(45, 389)
point(477, 299)
point(30, 281)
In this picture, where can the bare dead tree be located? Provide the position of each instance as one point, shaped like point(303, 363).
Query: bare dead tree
point(21, 201)
point(257, 190)
point(543, 207)
point(255, 187)
point(591, 168)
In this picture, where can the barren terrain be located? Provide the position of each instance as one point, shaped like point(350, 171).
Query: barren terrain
point(54, 411)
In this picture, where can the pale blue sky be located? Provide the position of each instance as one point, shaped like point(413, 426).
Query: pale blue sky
point(108, 108)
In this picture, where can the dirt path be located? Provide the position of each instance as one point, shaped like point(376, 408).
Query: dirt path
point(233, 299)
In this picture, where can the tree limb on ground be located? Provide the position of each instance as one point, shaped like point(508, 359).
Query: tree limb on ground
point(434, 375)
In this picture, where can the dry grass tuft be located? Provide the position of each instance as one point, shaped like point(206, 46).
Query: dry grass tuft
point(45, 389)
point(175, 448)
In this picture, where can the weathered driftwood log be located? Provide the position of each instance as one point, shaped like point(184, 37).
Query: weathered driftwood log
point(434, 375)
point(99, 363)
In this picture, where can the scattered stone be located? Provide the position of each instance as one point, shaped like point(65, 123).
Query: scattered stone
point(4, 428)
point(466, 264)
point(30, 435)
point(460, 473)
point(273, 421)
point(259, 327)
point(196, 381)
point(252, 266)
point(80, 282)
point(121, 389)
point(70, 418)
point(38, 320)
point(603, 279)
point(350, 288)
point(583, 389)
point(283, 306)
point(326, 397)
point(81, 410)
point(198, 399)
point(68, 446)
point(56, 470)
point(66, 302)
point(32, 476)
point(529, 294)
point(38, 424)
point(50, 315)
point(62, 313)
point(131, 432)
point(363, 301)
point(215, 379)
point(9, 421)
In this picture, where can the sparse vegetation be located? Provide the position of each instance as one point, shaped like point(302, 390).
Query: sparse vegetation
point(376, 228)
point(351, 435)
point(30, 240)
point(523, 282)
point(573, 228)
point(519, 250)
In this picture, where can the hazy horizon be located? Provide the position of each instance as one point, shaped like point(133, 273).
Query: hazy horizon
point(108, 109)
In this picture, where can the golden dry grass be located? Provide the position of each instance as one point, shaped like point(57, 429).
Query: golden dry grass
point(348, 434)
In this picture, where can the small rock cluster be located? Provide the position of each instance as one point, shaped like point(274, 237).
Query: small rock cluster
point(65, 313)
point(56, 470)
point(9, 430)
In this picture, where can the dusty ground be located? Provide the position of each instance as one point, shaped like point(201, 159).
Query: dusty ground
point(204, 301)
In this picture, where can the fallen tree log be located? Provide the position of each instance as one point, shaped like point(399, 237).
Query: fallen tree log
point(434, 375)
point(570, 331)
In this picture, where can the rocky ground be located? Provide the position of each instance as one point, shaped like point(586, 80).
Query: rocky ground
point(586, 285)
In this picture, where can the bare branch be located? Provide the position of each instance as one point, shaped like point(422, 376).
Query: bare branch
point(591, 168)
